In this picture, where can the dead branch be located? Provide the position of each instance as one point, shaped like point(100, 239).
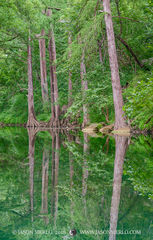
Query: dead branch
point(130, 50)
point(130, 19)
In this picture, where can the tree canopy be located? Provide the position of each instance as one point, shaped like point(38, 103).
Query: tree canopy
point(83, 21)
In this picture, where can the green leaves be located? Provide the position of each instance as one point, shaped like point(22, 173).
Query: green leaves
point(140, 101)
point(139, 168)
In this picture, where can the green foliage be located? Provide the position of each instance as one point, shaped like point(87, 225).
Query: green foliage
point(139, 169)
point(84, 21)
point(14, 112)
point(139, 103)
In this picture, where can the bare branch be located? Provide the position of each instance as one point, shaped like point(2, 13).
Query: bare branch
point(97, 4)
point(130, 50)
point(57, 9)
point(130, 19)
point(11, 39)
point(119, 15)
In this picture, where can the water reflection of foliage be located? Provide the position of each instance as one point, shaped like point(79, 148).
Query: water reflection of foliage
point(139, 165)
point(15, 204)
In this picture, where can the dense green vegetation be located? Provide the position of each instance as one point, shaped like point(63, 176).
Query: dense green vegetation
point(60, 182)
point(133, 32)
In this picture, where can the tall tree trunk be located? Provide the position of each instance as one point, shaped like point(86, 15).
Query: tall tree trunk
point(43, 71)
point(53, 76)
point(45, 166)
point(84, 84)
point(118, 11)
point(100, 52)
point(121, 146)
point(32, 122)
point(84, 88)
point(70, 74)
point(117, 91)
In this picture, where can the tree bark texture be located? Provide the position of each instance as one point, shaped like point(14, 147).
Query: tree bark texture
point(119, 15)
point(32, 122)
point(84, 84)
point(116, 86)
point(70, 73)
point(121, 146)
point(100, 52)
point(43, 71)
point(53, 76)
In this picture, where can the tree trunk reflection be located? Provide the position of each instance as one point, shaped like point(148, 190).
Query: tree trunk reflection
point(85, 170)
point(32, 134)
point(71, 162)
point(55, 169)
point(45, 166)
point(121, 146)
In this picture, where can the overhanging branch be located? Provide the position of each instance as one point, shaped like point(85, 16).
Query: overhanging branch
point(57, 9)
point(130, 50)
point(130, 19)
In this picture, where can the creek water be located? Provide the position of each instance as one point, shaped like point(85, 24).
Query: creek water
point(69, 185)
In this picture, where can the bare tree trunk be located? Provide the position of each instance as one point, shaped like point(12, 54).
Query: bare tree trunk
point(32, 122)
point(100, 43)
point(96, 7)
point(85, 171)
point(118, 11)
point(43, 71)
point(45, 166)
point(84, 84)
point(121, 146)
point(70, 74)
point(107, 145)
point(32, 135)
point(53, 76)
point(100, 52)
point(117, 90)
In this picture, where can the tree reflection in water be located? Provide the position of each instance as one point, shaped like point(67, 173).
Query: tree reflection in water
point(71, 162)
point(45, 167)
point(76, 203)
point(32, 135)
point(55, 170)
point(121, 144)
point(85, 171)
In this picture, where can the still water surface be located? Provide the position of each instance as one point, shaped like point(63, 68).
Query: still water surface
point(69, 185)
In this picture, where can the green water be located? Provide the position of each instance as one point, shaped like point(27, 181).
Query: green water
point(53, 183)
